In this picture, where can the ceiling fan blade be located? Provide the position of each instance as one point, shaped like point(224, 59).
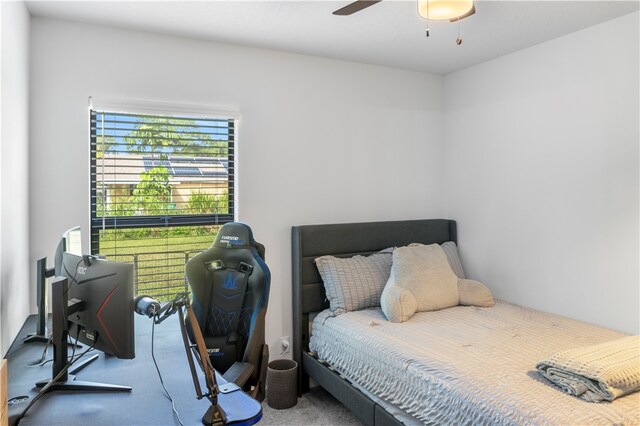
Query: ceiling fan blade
point(354, 7)
point(466, 15)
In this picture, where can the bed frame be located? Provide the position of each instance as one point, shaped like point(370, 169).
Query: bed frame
point(345, 240)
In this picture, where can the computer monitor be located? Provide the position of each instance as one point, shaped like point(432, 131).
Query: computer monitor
point(70, 242)
point(91, 298)
point(105, 289)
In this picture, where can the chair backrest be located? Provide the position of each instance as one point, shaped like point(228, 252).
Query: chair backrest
point(230, 292)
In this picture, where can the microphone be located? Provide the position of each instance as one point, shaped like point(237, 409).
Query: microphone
point(145, 305)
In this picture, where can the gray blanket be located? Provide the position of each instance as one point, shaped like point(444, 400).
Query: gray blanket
point(596, 373)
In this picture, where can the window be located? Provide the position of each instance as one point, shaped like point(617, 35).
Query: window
point(161, 187)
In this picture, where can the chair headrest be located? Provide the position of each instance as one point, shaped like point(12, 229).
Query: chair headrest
point(234, 235)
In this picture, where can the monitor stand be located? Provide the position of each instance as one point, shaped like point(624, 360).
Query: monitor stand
point(41, 335)
point(42, 273)
point(61, 309)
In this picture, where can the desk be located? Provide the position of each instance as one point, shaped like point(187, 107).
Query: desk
point(146, 404)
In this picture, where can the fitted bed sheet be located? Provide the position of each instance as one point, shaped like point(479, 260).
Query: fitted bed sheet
point(465, 365)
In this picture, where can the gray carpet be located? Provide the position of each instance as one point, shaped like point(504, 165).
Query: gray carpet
point(316, 407)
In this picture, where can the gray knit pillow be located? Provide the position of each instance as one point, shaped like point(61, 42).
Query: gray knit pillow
point(354, 283)
point(422, 270)
point(451, 250)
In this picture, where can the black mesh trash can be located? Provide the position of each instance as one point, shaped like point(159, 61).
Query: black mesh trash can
point(282, 384)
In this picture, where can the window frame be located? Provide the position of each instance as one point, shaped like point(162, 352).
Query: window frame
point(98, 223)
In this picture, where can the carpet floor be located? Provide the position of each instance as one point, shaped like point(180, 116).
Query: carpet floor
point(316, 407)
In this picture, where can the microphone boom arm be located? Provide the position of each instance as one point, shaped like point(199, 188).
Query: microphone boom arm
point(192, 367)
point(215, 415)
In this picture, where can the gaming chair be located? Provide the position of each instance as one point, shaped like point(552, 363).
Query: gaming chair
point(230, 292)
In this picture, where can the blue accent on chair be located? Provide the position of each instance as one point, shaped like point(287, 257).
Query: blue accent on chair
point(230, 281)
point(230, 285)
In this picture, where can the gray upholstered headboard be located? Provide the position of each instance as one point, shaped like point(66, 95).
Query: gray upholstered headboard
point(343, 240)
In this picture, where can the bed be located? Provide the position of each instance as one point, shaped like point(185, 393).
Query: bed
point(478, 367)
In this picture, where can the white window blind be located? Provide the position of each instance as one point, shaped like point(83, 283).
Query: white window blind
point(161, 186)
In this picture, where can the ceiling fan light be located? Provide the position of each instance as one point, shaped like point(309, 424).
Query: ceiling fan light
point(443, 9)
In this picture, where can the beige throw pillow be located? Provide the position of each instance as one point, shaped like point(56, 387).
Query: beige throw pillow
point(451, 251)
point(425, 272)
point(474, 293)
point(397, 303)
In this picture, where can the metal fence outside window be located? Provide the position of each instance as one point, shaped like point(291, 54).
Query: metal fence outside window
point(151, 276)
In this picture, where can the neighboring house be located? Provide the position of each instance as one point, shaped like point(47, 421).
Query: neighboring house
point(120, 173)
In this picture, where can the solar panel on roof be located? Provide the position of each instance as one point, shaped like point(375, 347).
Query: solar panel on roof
point(182, 159)
point(213, 173)
point(186, 171)
point(150, 163)
point(189, 166)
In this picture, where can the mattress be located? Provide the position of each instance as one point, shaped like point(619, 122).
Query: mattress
point(465, 365)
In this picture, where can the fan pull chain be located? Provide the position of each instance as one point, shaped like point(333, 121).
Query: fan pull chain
point(427, 16)
point(459, 39)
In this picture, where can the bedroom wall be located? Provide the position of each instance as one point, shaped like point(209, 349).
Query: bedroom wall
point(541, 164)
point(319, 140)
point(14, 170)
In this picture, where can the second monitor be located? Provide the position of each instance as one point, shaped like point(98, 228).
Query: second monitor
point(93, 300)
point(105, 291)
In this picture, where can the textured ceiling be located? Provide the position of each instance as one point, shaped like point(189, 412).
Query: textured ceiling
point(389, 33)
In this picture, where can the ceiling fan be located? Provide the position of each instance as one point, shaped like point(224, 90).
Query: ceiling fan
point(452, 10)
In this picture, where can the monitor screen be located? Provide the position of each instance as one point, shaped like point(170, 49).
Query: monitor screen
point(70, 242)
point(73, 241)
point(105, 289)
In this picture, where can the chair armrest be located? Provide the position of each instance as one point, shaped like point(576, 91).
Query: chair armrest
point(239, 373)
